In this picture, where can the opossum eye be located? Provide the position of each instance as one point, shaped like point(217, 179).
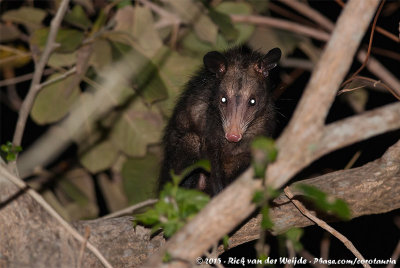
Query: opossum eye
point(223, 100)
point(252, 102)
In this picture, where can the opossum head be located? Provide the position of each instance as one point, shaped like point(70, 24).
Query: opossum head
point(241, 92)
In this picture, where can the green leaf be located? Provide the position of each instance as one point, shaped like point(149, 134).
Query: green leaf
point(68, 39)
point(145, 32)
point(150, 85)
point(174, 73)
point(238, 8)
point(294, 235)
point(124, 3)
point(5, 148)
point(58, 60)
point(225, 241)
point(99, 157)
point(258, 197)
point(99, 22)
point(325, 202)
point(263, 153)
point(74, 192)
point(140, 177)
point(266, 222)
point(8, 32)
point(101, 55)
point(225, 24)
point(28, 16)
point(11, 157)
point(205, 29)
point(54, 101)
point(167, 257)
point(193, 43)
point(137, 127)
point(77, 17)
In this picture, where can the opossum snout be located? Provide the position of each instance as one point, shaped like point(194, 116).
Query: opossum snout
point(233, 137)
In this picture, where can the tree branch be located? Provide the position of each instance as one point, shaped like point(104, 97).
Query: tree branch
point(4, 173)
point(297, 143)
point(282, 24)
point(361, 188)
point(39, 67)
point(325, 226)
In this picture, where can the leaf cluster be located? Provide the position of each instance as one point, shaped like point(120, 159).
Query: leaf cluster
point(176, 205)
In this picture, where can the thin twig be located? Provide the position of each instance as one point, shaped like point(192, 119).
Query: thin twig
point(39, 67)
point(378, 29)
point(371, 37)
point(373, 65)
point(353, 160)
point(38, 198)
point(310, 13)
point(58, 78)
point(325, 245)
point(131, 209)
point(282, 24)
point(392, 91)
point(386, 53)
point(291, 253)
point(311, 259)
point(83, 246)
point(288, 14)
point(325, 226)
point(22, 78)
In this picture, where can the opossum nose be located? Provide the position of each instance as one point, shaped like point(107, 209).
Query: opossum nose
point(233, 137)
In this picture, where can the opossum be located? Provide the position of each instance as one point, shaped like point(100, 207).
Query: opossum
point(223, 107)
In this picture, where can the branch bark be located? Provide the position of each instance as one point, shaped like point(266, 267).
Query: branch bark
point(297, 143)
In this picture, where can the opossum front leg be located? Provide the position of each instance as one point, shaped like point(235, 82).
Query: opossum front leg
point(181, 151)
point(216, 182)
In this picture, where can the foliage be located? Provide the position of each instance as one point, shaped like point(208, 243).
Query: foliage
point(125, 142)
point(176, 205)
point(9, 151)
point(325, 202)
point(264, 152)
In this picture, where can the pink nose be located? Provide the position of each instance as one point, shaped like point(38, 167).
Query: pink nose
point(233, 137)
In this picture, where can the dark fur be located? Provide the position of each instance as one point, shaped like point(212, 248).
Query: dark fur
point(196, 129)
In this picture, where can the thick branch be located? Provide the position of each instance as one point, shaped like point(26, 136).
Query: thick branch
point(305, 130)
point(361, 127)
point(360, 187)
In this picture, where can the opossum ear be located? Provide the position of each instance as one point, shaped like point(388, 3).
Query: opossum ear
point(215, 62)
point(269, 61)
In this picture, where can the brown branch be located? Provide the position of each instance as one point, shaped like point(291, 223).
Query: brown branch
point(375, 84)
point(361, 188)
point(310, 13)
point(297, 143)
point(39, 68)
point(372, 65)
point(325, 226)
point(282, 24)
point(39, 199)
point(356, 128)
point(380, 71)
point(22, 78)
